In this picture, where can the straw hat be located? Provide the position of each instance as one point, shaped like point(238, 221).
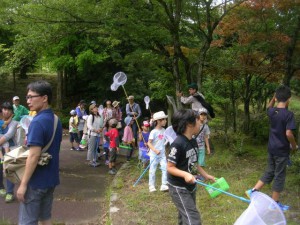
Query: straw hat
point(115, 104)
point(159, 115)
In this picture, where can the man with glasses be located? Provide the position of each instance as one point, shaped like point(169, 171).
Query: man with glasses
point(36, 189)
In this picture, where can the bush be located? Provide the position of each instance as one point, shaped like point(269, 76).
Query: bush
point(259, 128)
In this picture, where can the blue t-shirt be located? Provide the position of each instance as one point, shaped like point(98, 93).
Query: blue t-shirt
point(146, 138)
point(1, 124)
point(39, 134)
point(280, 120)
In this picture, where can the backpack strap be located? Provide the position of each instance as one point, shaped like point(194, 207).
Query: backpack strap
point(54, 131)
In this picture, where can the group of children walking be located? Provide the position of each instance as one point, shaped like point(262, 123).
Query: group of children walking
point(186, 159)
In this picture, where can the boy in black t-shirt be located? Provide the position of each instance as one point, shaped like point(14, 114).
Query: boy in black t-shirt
point(181, 161)
point(281, 137)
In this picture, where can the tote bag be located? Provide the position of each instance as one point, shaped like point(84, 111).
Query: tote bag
point(15, 160)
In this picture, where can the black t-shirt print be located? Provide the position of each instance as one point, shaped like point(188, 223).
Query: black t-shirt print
point(183, 154)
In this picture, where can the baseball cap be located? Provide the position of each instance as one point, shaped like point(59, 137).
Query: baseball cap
point(16, 98)
point(146, 123)
point(193, 86)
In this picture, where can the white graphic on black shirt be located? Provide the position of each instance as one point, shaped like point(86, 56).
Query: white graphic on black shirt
point(192, 162)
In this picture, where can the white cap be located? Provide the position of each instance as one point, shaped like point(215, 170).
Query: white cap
point(16, 98)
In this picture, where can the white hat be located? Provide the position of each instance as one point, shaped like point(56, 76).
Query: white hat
point(159, 115)
point(130, 97)
point(202, 110)
point(16, 98)
point(73, 112)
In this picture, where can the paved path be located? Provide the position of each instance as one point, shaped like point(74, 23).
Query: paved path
point(80, 198)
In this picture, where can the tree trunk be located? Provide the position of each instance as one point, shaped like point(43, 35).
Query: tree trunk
point(247, 97)
point(290, 70)
point(59, 90)
point(14, 81)
point(23, 72)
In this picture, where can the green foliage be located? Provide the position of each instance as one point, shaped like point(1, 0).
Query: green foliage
point(88, 58)
point(260, 128)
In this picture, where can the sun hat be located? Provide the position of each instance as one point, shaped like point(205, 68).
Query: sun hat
point(159, 115)
point(115, 103)
point(16, 98)
point(130, 97)
point(73, 112)
point(146, 123)
point(202, 110)
point(193, 86)
point(127, 120)
point(92, 106)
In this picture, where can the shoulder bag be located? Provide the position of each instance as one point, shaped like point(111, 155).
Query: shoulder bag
point(15, 160)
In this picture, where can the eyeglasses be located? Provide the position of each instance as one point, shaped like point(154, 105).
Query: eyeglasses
point(32, 96)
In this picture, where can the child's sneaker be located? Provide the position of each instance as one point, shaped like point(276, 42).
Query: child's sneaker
point(164, 187)
point(283, 207)
point(152, 189)
point(9, 198)
point(111, 172)
point(2, 192)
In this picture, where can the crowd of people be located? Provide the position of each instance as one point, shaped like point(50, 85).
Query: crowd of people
point(104, 130)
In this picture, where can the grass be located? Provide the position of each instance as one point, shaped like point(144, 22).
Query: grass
point(241, 173)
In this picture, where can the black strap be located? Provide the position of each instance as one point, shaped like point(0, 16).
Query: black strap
point(200, 131)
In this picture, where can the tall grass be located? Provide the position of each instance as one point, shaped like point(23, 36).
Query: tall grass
point(240, 171)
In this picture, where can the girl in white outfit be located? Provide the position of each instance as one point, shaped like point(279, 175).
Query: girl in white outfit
point(156, 143)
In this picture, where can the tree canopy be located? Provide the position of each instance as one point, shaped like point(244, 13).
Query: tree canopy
point(246, 46)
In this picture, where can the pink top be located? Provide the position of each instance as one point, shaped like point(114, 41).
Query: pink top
point(128, 135)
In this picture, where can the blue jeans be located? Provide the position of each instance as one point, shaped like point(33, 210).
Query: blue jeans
point(154, 161)
point(37, 206)
point(9, 185)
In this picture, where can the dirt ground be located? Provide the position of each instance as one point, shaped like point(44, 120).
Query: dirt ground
point(81, 196)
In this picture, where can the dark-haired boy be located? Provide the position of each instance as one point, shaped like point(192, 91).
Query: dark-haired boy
point(281, 137)
point(182, 160)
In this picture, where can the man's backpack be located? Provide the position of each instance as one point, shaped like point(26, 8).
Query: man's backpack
point(205, 105)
